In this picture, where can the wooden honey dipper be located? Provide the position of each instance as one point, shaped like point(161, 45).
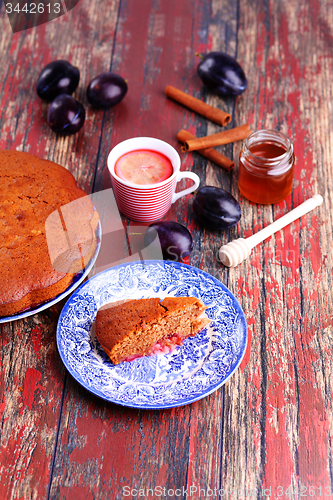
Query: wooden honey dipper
point(234, 252)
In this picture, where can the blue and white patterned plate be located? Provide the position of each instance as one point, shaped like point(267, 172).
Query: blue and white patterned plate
point(77, 280)
point(191, 372)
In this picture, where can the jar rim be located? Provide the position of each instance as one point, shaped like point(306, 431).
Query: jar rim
point(268, 136)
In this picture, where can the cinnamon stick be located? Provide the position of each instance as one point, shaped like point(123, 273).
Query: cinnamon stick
point(225, 137)
point(214, 114)
point(209, 153)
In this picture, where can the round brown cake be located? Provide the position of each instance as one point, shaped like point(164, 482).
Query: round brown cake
point(47, 230)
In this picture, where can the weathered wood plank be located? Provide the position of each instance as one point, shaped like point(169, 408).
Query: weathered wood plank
point(286, 413)
point(137, 449)
point(31, 371)
point(32, 378)
point(107, 448)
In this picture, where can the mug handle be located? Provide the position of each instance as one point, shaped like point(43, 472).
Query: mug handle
point(186, 175)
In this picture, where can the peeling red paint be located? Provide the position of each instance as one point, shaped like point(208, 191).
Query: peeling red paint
point(247, 354)
point(30, 386)
point(76, 492)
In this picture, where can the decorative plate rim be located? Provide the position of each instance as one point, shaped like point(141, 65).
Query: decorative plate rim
point(181, 402)
point(77, 280)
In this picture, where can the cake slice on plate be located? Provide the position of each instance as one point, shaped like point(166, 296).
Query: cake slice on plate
point(134, 328)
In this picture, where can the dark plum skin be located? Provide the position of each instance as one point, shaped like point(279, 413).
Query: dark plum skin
point(66, 115)
point(106, 90)
point(175, 239)
point(58, 77)
point(215, 208)
point(222, 74)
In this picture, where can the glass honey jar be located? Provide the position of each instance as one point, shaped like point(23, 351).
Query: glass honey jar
point(266, 167)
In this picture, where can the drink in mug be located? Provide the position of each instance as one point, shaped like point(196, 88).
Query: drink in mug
point(144, 167)
point(144, 173)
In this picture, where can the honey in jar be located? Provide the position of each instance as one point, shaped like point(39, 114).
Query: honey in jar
point(266, 167)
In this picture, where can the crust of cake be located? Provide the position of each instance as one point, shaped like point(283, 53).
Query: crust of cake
point(31, 190)
point(134, 326)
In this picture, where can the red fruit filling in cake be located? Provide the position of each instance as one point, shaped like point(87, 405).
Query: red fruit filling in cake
point(164, 346)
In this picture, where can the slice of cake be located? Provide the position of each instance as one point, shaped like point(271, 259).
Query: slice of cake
point(135, 328)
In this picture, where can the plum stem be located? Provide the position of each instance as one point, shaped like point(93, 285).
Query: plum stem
point(199, 55)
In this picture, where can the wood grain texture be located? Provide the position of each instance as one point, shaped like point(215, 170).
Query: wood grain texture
point(32, 379)
point(283, 286)
point(271, 426)
point(31, 371)
point(141, 439)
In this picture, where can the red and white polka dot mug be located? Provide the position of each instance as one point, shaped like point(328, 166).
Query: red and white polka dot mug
point(148, 202)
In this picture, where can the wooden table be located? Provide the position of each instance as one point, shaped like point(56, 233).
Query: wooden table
point(270, 427)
